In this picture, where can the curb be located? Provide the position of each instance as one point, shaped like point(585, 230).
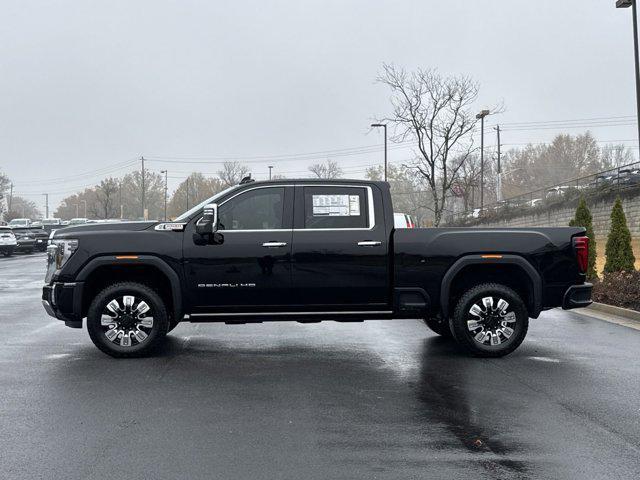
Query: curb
point(609, 313)
point(617, 311)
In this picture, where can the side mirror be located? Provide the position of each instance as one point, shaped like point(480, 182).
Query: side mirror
point(208, 224)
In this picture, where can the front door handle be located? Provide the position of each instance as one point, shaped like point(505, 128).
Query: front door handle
point(369, 243)
point(274, 244)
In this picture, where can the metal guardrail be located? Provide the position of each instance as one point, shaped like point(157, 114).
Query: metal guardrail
point(621, 178)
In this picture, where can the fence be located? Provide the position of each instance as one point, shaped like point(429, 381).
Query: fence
point(617, 180)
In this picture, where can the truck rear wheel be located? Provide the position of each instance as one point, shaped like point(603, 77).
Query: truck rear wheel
point(439, 326)
point(490, 320)
point(127, 320)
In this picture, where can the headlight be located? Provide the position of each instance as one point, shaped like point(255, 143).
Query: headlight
point(63, 250)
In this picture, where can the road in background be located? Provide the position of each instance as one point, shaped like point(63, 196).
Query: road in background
point(380, 399)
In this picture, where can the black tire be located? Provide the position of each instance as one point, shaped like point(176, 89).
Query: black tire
point(518, 322)
point(29, 251)
point(8, 253)
point(439, 326)
point(154, 335)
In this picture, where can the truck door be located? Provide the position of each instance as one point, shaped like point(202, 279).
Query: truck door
point(251, 268)
point(340, 250)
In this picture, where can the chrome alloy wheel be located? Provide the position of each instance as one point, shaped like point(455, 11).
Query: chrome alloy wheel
point(493, 323)
point(127, 321)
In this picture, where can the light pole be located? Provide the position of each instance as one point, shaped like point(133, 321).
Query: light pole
point(165, 194)
point(85, 208)
point(46, 204)
point(480, 117)
point(384, 125)
point(270, 167)
point(627, 4)
point(499, 192)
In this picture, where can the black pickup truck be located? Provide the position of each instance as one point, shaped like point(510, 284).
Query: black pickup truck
point(307, 251)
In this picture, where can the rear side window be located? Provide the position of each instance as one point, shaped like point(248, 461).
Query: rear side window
point(336, 207)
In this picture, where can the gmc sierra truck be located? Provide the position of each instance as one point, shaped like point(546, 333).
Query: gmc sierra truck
point(307, 251)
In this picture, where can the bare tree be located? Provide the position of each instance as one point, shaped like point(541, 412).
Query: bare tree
point(468, 181)
point(106, 199)
point(614, 156)
point(192, 191)
point(435, 112)
point(22, 208)
point(4, 194)
point(232, 173)
point(327, 169)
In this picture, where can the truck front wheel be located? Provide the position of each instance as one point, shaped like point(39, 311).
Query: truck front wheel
point(127, 320)
point(490, 320)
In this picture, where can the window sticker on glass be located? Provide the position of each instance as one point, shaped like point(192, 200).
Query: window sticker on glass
point(336, 205)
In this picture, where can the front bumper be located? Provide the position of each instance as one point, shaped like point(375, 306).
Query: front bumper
point(64, 302)
point(577, 296)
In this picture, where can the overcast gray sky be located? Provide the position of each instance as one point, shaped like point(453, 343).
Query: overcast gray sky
point(87, 85)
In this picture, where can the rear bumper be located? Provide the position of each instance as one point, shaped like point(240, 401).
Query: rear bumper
point(64, 302)
point(577, 296)
point(26, 245)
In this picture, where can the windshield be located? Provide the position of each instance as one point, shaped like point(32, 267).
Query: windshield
point(53, 221)
point(19, 221)
point(186, 215)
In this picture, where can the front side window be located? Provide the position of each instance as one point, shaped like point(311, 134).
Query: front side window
point(259, 209)
point(335, 207)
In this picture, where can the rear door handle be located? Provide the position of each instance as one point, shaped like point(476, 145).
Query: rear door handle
point(274, 244)
point(369, 243)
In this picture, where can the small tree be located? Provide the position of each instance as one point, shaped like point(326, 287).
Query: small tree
point(619, 252)
point(584, 219)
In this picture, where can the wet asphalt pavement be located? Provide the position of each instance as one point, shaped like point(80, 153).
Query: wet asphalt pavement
point(380, 399)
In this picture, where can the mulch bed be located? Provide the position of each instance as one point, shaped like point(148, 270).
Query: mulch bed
point(619, 289)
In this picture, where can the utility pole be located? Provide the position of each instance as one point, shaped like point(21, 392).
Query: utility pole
point(10, 195)
point(77, 210)
point(634, 12)
point(142, 160)
point(480, 117)
point(384, 125)
point(499, 192)
point(270, 167)
point(165, 194)
point(46, 205)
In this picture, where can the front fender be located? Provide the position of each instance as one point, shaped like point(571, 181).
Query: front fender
point(151, 260)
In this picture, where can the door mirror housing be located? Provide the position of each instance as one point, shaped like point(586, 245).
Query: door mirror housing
point(208, 224)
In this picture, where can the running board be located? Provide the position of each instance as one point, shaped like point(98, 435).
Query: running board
point(301, 317)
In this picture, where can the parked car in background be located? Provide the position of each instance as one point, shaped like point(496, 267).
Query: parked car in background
point(25, 238)
point(50, 224)
point(77, 221)
point(602, 181)
point(556, 192)
point(402, 220)
point(475, 213)
point(41, 236)
point(8, 241)
point(629, 176)
point(20, 222)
